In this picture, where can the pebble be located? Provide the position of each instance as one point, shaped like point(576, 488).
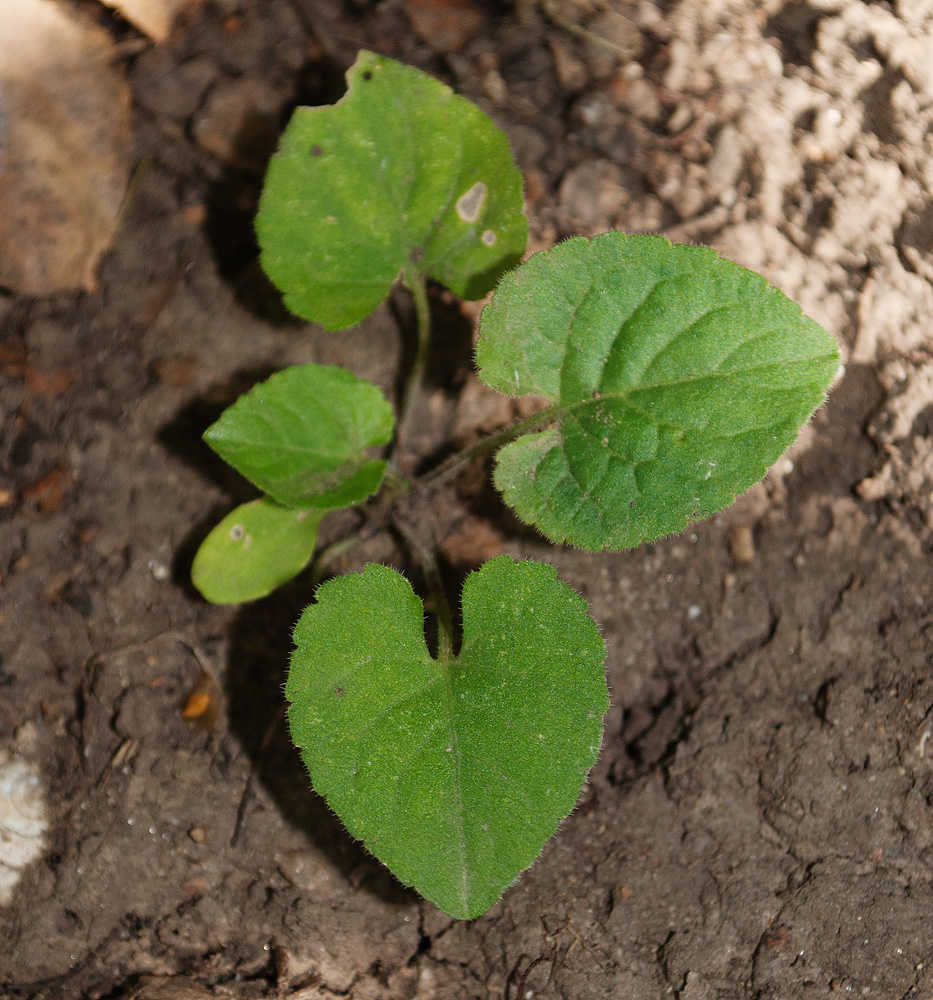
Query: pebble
point(592, 195)
point(742, 544)
point(168, 88)
point(309, 872)
point(444, 24)
point(240, 123)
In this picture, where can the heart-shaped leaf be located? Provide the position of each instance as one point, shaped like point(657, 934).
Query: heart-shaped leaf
point(453, 771)
point(257, 547)
point(301, 436)
point(400, 174)
point(677, 378)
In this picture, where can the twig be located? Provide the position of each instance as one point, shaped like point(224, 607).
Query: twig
point(415, 374)
point(553, 12)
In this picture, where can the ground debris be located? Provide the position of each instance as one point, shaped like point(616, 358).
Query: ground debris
point(64, 135)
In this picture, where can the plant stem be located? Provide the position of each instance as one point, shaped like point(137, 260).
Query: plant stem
point(323, 558)
point(426, 558)
point(419, 294)
point(340, 546)
point(398, 486)
point(461, 459)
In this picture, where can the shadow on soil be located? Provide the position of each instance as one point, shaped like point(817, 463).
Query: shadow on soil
point(260, 647)
point(843, 453)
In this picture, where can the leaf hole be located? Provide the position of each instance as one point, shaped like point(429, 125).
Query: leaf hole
point(237, 532)
point(367, 74)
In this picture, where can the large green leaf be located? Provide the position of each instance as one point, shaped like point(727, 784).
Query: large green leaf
point(676, 379)
point(453, 771)
point(257, 547)
point(400, 174)
point(301, 436)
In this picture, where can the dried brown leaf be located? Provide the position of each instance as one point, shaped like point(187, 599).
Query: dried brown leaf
point(153, 18)
point(64, 147)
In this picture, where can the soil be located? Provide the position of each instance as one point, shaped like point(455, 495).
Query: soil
point(760, 823)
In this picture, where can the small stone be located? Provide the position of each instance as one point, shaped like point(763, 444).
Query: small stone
point(494, 86)
point(592, 195)
point(725, 164)
point(618, 31)
point(198, 886)
point(742, 544)
point(175, 90)
point(198, 834)
point(445, 24)
point(177, 371)
point(571, 73)
point(309, 872)
point(680, 118)
point(535, 185)
point(194, 215)
point(636, 95)
point(472, 542)
point(240, 123)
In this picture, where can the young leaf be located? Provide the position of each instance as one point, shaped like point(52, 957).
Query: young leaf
point(257, 547)
point(454, 772)
point(401, 173)
point(676, 379)
point(301, 436)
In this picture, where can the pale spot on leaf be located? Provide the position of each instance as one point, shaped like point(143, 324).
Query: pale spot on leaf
point(489, 238)
point(471, 202)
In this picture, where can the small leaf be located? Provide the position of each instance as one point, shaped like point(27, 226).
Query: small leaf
point(677, 378)
point(400, 173)
point(300, 436)
point(257, 547)
point(454, 772)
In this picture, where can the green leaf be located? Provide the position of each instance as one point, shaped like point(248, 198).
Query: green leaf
point(401, 173)
point(676, 379)
point(257, 547)
point(301, 436)
point(454, 772)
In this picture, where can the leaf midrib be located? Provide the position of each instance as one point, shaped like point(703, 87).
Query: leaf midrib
point(558, 411)
point(354, 451)
point(446, 666)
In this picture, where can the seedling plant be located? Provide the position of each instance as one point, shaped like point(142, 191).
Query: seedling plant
point(670, 380)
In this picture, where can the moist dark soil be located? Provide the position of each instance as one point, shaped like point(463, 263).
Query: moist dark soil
point(760, 822)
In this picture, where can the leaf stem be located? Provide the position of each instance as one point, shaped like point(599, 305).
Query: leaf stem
point(424, 554)
point(398, 486)
point(461, 459)
point(419, 293)
point(320, 564)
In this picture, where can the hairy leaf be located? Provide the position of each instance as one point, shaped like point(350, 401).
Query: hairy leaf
point(257, 547)
point(676, 379)
point(400, 174)
point(453, 771)
point(301, 436)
